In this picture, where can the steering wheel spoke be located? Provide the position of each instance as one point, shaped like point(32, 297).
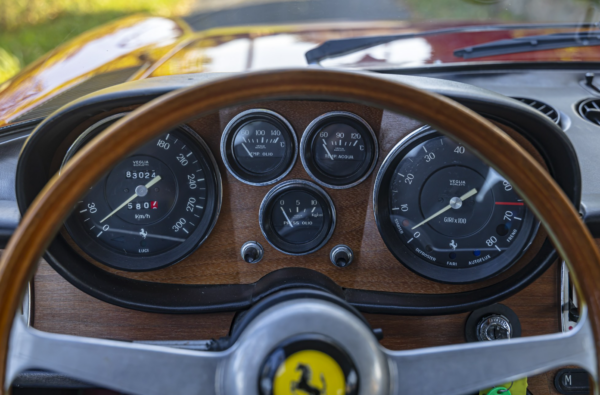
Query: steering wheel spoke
point(465, 368)
point(122, 366)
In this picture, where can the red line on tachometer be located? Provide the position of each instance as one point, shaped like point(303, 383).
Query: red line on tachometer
point(510, 204)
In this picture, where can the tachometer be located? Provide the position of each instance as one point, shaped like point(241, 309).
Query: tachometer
point(152, 209)
point(447, 215)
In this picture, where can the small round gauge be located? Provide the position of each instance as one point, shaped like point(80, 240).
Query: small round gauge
point(153, 208)
point(259, 147)
point(297, 217)
point(447, 215)
point(339, 150)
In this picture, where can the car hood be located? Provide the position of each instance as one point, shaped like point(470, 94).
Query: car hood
point(141, 47)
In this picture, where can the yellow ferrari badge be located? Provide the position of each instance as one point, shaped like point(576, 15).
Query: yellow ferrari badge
point(309, 372)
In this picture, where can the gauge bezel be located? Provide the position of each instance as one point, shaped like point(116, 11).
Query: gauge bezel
point(231, 162)
point(265, 214)
point(306, 150)
point(407, 257)
point(104, 255)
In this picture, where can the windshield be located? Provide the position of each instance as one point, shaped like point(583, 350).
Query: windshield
point(350, 18)
point(246, 35)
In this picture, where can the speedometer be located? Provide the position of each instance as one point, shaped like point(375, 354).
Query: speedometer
point(153, 208)
point(447, 215)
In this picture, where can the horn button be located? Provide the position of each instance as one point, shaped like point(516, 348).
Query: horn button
point(309, 364)
point(307, 347)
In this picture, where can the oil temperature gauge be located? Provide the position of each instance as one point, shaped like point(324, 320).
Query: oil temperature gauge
point(339, 150)
point(297, 217)
point(259, 147)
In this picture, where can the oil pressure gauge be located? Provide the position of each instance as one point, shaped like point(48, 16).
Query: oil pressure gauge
point(297, 217)
point(339, 150)
point(259, 147)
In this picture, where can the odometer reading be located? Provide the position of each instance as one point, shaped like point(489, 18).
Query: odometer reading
point(153, 208)
point(450, 210)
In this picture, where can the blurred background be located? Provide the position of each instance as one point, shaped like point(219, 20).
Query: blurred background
point(31, 28)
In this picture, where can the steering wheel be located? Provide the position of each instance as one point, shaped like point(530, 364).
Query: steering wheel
point(274, 331)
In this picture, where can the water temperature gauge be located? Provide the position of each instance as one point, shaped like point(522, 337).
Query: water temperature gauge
point(339, 150)
point(297, 217)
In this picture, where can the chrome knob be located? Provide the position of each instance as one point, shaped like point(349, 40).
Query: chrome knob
point(252, 252)
point(341, 255)
point(494, 327)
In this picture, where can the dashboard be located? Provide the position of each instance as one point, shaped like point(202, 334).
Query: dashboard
point(373, 206)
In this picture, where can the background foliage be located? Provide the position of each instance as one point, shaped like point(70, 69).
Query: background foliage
point(31, 28)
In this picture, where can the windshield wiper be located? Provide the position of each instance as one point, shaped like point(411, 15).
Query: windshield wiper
point(333, 48)
point(531, 43)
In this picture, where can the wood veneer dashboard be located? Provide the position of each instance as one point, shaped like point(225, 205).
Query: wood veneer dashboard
point(218, 260)
point(60, 307)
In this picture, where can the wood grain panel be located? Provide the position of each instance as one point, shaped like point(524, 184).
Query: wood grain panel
point(218, 260)
point(59, 307)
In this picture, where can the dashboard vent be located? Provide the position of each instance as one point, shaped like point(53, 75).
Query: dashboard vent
point(590, 110)
point(542, 107)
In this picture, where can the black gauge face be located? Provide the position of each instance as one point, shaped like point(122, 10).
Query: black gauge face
point(259, 147)
point(153, 208)
point(446, 214)
point(297, 217)
point(339, 150)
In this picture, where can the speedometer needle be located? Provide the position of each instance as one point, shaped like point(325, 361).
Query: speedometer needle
point(148, 185)
point(286, 217)
point(448, 207)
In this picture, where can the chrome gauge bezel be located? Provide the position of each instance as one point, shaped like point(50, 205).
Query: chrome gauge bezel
point(229, 158)
point(312, 169)
point(410, 259)
point(198, 236)
point(264, 218)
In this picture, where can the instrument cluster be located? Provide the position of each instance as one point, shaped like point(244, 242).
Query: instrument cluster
point(441, 211)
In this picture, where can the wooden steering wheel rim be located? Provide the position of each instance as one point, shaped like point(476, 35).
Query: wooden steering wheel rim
point(54, 203)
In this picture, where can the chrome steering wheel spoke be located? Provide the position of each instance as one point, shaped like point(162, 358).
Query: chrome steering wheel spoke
point(466, 368)
point(122, 366)
point(137, 368)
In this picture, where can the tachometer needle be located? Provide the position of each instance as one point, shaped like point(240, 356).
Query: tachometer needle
point(448, 207)
point(148, 185)
point(247, 150)
point(328, 153)
point(286, 217)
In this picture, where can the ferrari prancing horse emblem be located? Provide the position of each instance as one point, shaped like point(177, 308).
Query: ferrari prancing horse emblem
point(304, 385)
point(308, 365)
point(309, 372)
